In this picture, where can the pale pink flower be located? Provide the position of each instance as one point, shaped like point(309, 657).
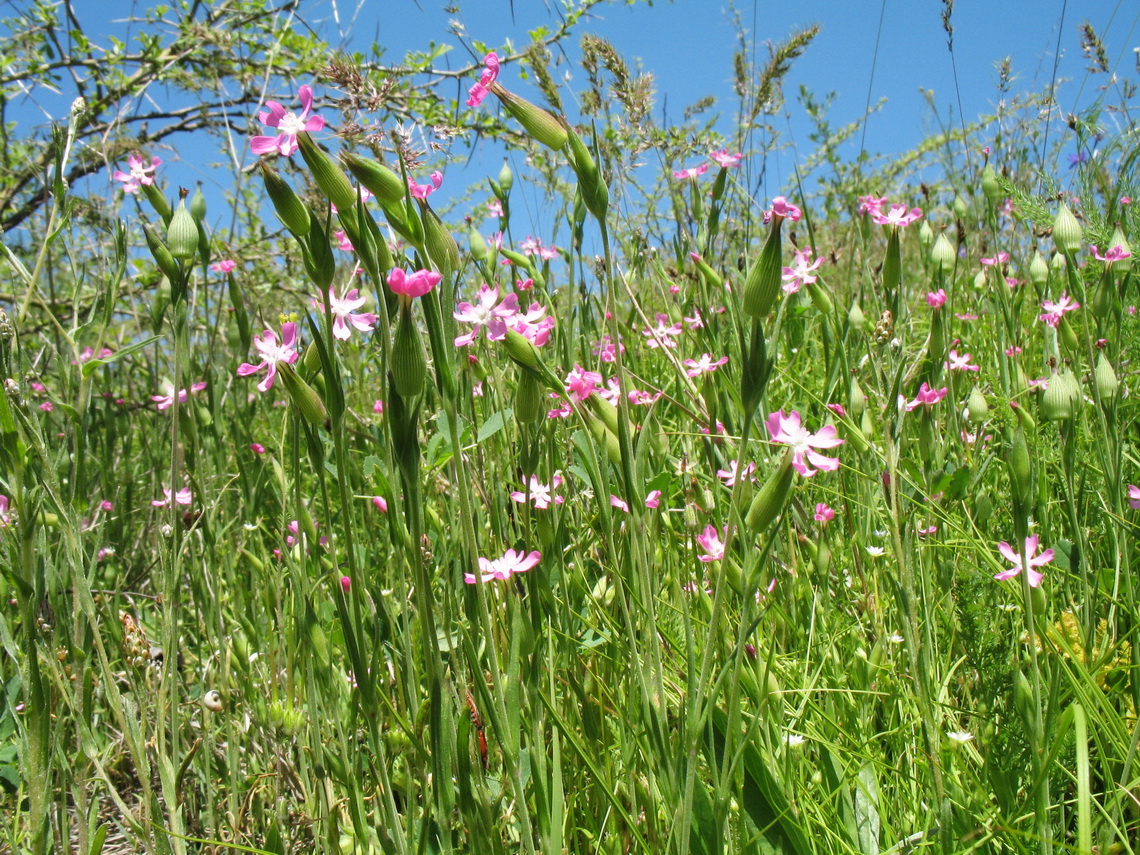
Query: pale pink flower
point(726, 159)
point(47, 406)
point(730, 474)
point(166, 401)
point(532, 325)
point(479, 90)
point(1055, 311)
point(706, 364)
point(872, 204)
point(663, 334)
point(621, 504)
point(926, 397)
point(838, 410)
point(502, 568)
point(380, 503)
point(639, 397)
point(1134, 497)
point(139, 173)
point(271, 353)
point(823, 514)
point(223, 266)
point(5, 520)
point(1116, 253)
point(965, 316)
point(580, 383)
point(606, 350)
point(1000, 258)
point(711, 543)
point(692, 172)
point(495, 209)
point(412, 284)
point(342, 241)
point(563, 410)
point(288, 125)
point(484, 313)
point(495, 240)
point(789, 430)
point(936, 299)
point(653, 500)
point(106, 506)
point(182, 497)
point(1030, 548)
point(961, 362)
point(343, 310)
point(782, 208)
point(897, 216)
point(800, 272)
point(422, 191)
point(1125, 200)
point(540, 494)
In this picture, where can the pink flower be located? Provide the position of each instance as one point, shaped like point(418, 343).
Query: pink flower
point(692, 172)
point(620, 504)
point(345, 583)
point(47, 406)
point(496, 240)
point(105, 505)
point(257, 448)
point(897, 216)
point(711, 543)
point(936, 299)
point(789, 430)
point(730, 474)
point(166, 401)
point(540, 494)
point(412, 284)
point(495, 209)
point(1000, 258)
point(1030, 548)
point(381, 504)
point(378, 407)
point(478, 91)
point(524, 284)
point(960, 363)
point(4, 519)
point(486, 314)
point(288, 125)
point(663, 334)
point(343, 310)
point(706, 364)
point(182, 497)
point(138, 175)
point(342, 241)
point(1134, 497)
point(926, 397)
point(781, 208)
point(580, 384)
point(422, 191)
point(502, 568)
point(1055, 311)
point(1125, 200)
point(838, 410)
point(965, 316)
point(271, 353)
point(1116, 253)
point(605, 349)
point(872, 204)
point(562, 411)
point(653, 500)
point(800, 273)
point(725, 159)
point(224, 266)
point(823, 514)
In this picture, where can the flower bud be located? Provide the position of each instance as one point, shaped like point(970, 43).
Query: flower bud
point(506, 178)
point(198, 205)
point(763, 283)
point(1057, 264)
point(409, 361)
point(162, 255)
point(381, 181)
point(521, 349)
point(157, 201)
point(528, 399)
point(439, 243)
point(1020, 470)
point(1107, 386)
point(1061, 396)
point(182, 233)
point(855, 316)
point(1038, 270)
point(769, 501)
point(925, 235)
point(991, 189)
point(329, 177)
point(819, 297)
point(302, 396)
point(1067, 335)
point(595, 194)
point(1067, 233)
point(960, 208)
point(476, 245)
point(290, 209)
point(942, 254)
point(977, 410)
point(538, 123)
point(856, 399)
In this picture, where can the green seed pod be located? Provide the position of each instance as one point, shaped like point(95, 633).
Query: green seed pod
point(157, 201)
point(1020, 470)
point(892, 262)
point(409, 361)
point(539, 124)
point(769, 501)
point(595, 194)
point(1038, 270)
point(1107, 386)
point(529, 407)
point(763, 283)
point(1061, 396)
point(310, 363)
point(856, 399)
point(819, 297)
point(1104, 297)
point(290, 209)
point(855, 316)
point(977, 410)
point(853, 435)
point(990, 187)
point(439, 243)
point(506, 178)
point(521, 349)
point(162, 255)
point(960, 208)
point(305, 398)
point(981, 279)
point(198, 204)
point(476, 245)
point(329, 177)
point(942, 254)
point(1118, 239)
point(1067, 335)
point(1057, 263)
point(381, 181)
point(1023, 701)
point(1067, 233)
point(983, 507)
point(925, 235)
point(182, 233)
point(866, 426)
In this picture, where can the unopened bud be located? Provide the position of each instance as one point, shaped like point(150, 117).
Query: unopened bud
point(290, 209)
point(855, 316)
point(381, 181)
point(1107, 386)
point(763, 283)
point(182, 233)
point(990, 186)
point(1067, 233)
point(409, 361)
point(769, 502)
point(329, 177)
point(977, 410)
point(942, 254)
point(1061, 396)
point(541, 126)
point(1038, 270)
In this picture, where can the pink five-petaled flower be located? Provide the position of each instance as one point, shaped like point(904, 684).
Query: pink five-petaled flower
point(223, 266)
point(540, 494)
point(936, 299)
point(1055, 311)
point(422, 191)
point(478, 91)
point(823, 514)
point(412, 284)
point(502, 568)
point(581, 384)
point(789, 430)
point(653, 499)
point(926, 397)
point(1134, 497)
point(182, 497)
point(4, 520)
point(705, 364)
point(343, 310)
point(484, 313)
point(711, 543)
point(897, 216)
point(138, 175)
point(1030, 548)
point(1116, 253)
point(961, 362)
point(1000, 258)
point(726, 159)
point(288, 125)
point(692, 172)
point(800, 273)
point(781, 208)
point(730, 474)
point(167, 401)
point(872, 204)
point(272, 353)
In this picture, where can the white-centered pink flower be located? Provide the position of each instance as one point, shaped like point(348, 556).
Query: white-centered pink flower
point(139, 173)
point(166, 401)
point(960, 362)
point(710, 541)
point(726, 159)
point(422, 191)
point(485, 314)
point(343, 310)
point(288, 125)
point(801, 271)
point(872, 205)
point(789, 430)
point(271, 353)
point(1055, 311)
point(541, 495)
point(705, 365)
point(691, 173)
point(581, 384)
point(182, 497)
point(781, 209)
point(733, 472)
point(926, 397)
point(898, 216)
point(479, 90)
point(1018, 564)
point(502, 568)
point(1116, 253)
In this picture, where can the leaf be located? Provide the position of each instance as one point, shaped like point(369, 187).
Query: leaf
point(494, 424)
point(90, 366)
point(867, 811)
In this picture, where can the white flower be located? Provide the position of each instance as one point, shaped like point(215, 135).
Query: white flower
point(959, 736)
point(875, 551)
point(793, 739)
